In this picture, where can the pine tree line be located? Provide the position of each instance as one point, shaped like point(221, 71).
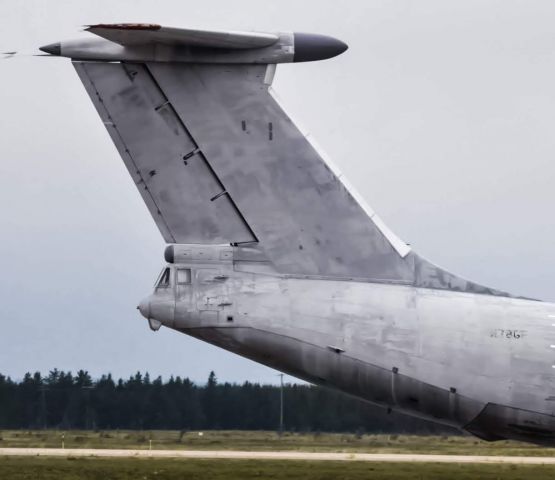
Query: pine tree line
point(63, 400)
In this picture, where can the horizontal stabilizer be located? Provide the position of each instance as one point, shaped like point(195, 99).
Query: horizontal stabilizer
point(145, 42)
point(133, 34)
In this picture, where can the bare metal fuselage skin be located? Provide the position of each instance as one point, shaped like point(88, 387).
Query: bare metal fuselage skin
point(473, 361)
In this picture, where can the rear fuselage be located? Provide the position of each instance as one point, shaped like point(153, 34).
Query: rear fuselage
point(479, 362)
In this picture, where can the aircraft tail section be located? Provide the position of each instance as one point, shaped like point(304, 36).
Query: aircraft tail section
point(218, 161)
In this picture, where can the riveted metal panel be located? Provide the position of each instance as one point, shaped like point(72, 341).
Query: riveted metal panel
point(172, 175)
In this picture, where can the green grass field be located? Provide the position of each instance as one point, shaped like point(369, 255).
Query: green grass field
point(155, 468)
point(260, 441)
point(145, 469)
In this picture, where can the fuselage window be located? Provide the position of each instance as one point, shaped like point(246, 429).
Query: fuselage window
point(183, 276)
point(164, 279)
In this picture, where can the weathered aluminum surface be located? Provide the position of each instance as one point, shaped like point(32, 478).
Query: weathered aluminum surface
point(140, 34)
point(172, 174)
point(154, 43)
point(306, 278)
point(104, 50)
point(217, 160)
point(473, 361)
point(305, 219)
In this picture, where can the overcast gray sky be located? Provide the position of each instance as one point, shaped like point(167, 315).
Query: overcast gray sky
point(441, 113)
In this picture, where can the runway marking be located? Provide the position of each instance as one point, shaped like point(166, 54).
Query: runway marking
point(281, 455)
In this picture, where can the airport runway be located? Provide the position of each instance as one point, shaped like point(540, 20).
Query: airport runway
point(241, 455)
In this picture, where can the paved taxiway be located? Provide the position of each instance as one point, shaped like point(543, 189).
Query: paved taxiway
point(320, 456)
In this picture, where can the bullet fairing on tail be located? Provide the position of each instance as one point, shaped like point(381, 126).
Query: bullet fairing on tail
point(275, 257)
